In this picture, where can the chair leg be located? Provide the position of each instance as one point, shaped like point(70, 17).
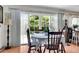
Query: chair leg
point(73, 40)
point(44, 50)
point(49, 50)
point(35, 48)
point(58, 51)
point(62, 48)
point(29, 49)
point(39, 50)
point(54, 51)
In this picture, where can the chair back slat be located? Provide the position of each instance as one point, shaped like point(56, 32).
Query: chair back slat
point(54, 38)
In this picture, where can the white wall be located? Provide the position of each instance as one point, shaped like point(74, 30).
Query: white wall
point(2, 36)
point(3, 30)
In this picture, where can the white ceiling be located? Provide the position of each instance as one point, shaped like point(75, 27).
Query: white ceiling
point(47, 8)
point(74, 8)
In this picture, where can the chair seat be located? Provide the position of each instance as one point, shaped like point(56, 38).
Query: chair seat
point(33, 45)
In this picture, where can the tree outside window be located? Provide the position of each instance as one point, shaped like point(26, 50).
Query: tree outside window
point(45, 23)
point(34, 19)
point(34, 23)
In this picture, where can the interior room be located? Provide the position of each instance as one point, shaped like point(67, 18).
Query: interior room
point(39, 29)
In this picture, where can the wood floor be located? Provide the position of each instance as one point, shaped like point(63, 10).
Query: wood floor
point(24, 48)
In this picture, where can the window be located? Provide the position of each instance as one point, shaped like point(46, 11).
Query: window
point(34, 23)
point(75, 21)
point(45, 23)
point(42, 22)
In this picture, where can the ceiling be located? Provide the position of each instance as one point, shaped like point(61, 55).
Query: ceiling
point(47, 8)
point(74, 8)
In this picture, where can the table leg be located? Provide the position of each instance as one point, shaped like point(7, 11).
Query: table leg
point(39, 49)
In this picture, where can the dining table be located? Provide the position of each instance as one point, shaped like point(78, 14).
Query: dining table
point(42, 38)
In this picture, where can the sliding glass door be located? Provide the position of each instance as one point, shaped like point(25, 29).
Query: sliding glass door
point(37, 22)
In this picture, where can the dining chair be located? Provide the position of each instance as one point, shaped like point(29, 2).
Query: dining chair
point(30, 45)
point(54, 42)
point(75, 37)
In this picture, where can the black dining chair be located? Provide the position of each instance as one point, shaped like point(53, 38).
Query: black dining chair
point(30, 46)
point(54, 42)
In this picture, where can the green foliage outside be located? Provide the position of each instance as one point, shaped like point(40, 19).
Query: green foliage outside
point(45, 23)
point(34, 23)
